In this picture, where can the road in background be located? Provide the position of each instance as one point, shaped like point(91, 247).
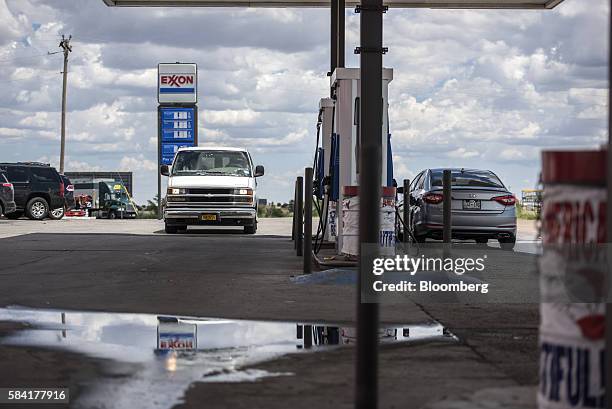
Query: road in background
point(527, 229)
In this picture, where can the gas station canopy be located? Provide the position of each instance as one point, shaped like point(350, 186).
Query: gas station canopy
point(439, 4)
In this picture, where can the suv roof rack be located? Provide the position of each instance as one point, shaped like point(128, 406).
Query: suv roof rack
point(34, 163)
point(26, 163)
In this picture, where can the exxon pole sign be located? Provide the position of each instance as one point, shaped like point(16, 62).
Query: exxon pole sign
point(177, 83)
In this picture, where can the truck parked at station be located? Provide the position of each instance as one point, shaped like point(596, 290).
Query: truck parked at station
point(105, 199)
point(211, 186)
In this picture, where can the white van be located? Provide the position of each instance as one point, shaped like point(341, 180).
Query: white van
point(211, 186)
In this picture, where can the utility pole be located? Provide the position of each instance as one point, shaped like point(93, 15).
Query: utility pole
point(65, 45)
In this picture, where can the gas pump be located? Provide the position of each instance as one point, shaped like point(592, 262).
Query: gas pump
point(337, 159)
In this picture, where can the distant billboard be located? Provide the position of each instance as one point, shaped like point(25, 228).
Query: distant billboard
point(177, 83)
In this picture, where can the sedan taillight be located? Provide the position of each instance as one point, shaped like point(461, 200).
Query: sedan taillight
point(433, 198)
point(506, 200)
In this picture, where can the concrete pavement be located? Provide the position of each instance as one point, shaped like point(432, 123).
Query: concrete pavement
point(11, 228)
point(79, 264)
point(527, 229)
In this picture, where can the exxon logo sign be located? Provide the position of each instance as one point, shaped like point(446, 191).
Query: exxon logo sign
point(177, 83)
point(177, 80)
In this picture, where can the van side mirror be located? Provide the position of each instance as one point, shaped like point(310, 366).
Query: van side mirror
point(259, 171)
point(164, 170)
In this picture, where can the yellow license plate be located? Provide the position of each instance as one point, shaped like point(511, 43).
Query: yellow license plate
point(209, 217)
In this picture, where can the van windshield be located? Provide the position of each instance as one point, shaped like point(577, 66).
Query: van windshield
point(226, 163)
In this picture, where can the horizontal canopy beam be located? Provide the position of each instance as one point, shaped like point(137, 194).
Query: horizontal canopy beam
point(432, 4)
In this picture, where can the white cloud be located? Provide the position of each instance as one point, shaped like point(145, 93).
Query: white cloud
point(482, 88)
point(7, 133)
point(462, 153)
point(77, 166)
point(230, 117)
point(128, 163)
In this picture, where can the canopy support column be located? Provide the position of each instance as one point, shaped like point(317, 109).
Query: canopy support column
point(337, 29)
point(370, 175)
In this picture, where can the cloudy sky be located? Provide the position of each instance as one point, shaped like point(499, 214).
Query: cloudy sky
point(471, 88)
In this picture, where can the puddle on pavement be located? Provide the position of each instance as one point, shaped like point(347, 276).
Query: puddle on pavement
point(174, 352)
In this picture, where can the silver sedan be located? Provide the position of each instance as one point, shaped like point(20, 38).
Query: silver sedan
point(482, 207)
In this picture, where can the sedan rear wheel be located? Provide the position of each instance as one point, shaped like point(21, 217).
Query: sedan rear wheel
point(420, 238)
point(507, 244)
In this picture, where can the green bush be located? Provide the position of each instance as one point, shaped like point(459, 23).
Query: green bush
point(273, 210)
point(277, 212)
point(521, 213)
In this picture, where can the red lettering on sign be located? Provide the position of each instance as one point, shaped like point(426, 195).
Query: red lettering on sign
point(176, 344)
point(577, 222)
point(176, 80)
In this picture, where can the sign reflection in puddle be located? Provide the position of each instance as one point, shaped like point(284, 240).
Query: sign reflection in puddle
point(174, 352)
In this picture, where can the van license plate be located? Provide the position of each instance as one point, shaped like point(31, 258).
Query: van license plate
point(209, 217)
point(471, 204)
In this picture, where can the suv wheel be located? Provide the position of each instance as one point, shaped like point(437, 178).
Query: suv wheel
point(37, 208)
point(56, 214)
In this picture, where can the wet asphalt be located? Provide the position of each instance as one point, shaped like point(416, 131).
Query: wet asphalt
point(249, 277)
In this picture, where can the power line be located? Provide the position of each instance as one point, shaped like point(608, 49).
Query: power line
point(28, 57)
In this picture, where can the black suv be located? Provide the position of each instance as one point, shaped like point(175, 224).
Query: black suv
point(38, 188)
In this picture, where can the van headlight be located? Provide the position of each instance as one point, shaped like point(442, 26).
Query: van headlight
point(244, 191)
point(176, 191)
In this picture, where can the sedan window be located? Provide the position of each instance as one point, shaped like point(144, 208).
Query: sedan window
point(469, 178)
point(415, 183)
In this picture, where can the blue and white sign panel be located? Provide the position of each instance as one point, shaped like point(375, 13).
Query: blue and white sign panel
point(177, 130)
point(177, 83)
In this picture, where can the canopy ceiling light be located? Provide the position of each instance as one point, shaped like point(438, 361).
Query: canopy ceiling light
point(433, 4)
